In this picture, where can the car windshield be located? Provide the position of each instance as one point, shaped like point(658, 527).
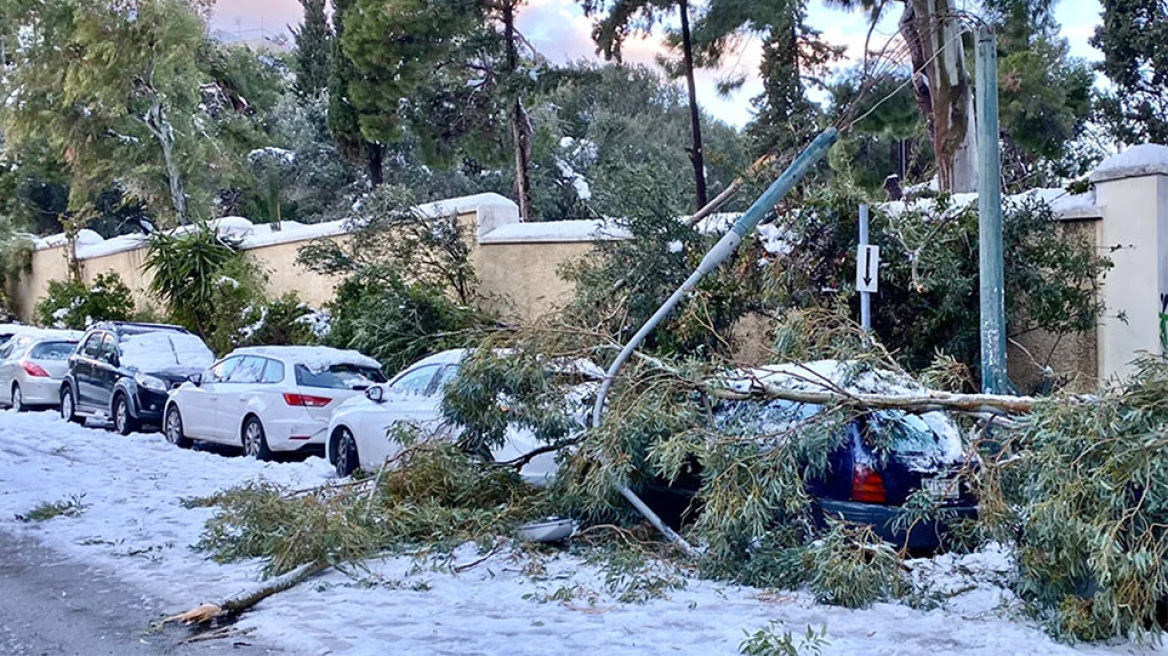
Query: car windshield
point(339, 376)
point(163, 349)
point(52, 351)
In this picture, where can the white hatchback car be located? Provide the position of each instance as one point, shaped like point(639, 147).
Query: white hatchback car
point(32, 364)
point(360, 435)
point(268, 398)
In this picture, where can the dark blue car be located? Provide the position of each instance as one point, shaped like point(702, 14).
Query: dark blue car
point(884, 460)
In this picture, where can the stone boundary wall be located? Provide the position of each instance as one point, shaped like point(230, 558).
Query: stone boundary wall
point(1125, 215)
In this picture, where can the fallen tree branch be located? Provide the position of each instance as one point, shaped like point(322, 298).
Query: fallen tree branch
point(219, 634)
point(204, 613)
point(924, 402)
point(525, 459)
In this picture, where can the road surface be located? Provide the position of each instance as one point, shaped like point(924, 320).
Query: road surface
point(50, 606)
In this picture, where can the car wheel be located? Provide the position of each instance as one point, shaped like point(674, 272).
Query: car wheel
point(347, 459)
point(69, 407)
point(172, 427)
point(124, 423)
point(18, 399)
point(255, 443)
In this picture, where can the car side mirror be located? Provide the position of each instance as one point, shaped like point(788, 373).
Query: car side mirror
point(375, 394)
point(110, 359)
point(197, 379)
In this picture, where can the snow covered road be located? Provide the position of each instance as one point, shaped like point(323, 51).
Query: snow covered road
point(134, 527)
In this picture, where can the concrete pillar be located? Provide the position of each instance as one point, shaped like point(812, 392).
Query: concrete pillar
point(1132, 189)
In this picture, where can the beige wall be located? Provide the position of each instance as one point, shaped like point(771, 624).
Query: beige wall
point(519, 280)
point(520, 276)
point(1134, 234)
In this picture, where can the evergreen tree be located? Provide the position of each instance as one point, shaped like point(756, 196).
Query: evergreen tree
point(343, 118)
point(616, 20)
point(785, 119)
point(1134, 41)
point(115, 90)
point(313, 45)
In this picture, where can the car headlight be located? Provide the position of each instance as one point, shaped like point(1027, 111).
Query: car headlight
point(151, 382)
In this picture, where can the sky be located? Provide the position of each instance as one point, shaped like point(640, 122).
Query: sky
point(559, 30)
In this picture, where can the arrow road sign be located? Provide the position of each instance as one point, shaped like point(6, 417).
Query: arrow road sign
point(867, 268)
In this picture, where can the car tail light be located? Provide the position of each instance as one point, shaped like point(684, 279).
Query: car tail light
point(867, 485)
point(34, 369)
point(306, 400)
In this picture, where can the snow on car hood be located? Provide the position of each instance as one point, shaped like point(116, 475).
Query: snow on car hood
point(314, 358)
point(165, 351)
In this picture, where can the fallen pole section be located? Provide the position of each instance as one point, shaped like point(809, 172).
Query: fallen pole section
point(713, 259)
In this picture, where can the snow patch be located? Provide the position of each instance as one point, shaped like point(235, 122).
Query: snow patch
point(314, 358)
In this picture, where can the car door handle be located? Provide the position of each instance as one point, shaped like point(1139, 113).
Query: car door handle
point(241, 399)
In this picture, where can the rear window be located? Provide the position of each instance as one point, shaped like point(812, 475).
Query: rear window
point(339, 376)
point(931, 436)
point(52, 351)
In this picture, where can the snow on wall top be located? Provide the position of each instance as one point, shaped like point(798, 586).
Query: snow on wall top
point(492, 211)
point(1144, 159)
point(555, 231)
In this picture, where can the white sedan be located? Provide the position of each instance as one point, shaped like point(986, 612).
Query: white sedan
point(32, 364)
point(268, 398)
point(360, 432)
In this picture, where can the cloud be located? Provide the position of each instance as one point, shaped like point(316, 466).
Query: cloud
point(559, 30)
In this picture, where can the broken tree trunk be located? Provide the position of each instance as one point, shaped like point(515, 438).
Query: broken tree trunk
point(923, 402)
point(204, 613)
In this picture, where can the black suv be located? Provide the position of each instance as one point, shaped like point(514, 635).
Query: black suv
point(123, 372)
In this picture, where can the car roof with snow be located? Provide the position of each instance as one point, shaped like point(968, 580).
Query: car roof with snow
point(452, 356)
point(578, 366)
point(315, 358)
point(49, 334)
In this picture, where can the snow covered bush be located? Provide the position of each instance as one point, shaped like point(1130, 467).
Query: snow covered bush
point(408, 286)
point(382, 316)
point(285, 320)
point(72, 304)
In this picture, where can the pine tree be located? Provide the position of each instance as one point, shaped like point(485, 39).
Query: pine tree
point(343, 118)
point(785, 119)
point(1135, 59)
point(313, 45)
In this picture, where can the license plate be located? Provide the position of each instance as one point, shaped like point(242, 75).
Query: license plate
point(945, 489)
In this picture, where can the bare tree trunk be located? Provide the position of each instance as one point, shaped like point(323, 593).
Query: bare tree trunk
point(520, 122)
point(374, 154)
point(163, 132)
point(695, 154)
point(941, 85)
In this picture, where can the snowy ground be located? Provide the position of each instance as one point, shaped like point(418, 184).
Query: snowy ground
point(134, 527)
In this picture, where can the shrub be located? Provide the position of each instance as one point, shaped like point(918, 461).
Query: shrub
point(285, 320)
point(70, 304)
point(205, 282)
point(377, 313)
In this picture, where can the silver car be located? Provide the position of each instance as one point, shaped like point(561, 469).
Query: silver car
point(32, 364)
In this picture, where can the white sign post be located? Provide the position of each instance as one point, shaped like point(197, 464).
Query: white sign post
point(867, 271)
point(867, 268)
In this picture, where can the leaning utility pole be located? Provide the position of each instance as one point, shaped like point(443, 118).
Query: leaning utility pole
point(989, 209)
